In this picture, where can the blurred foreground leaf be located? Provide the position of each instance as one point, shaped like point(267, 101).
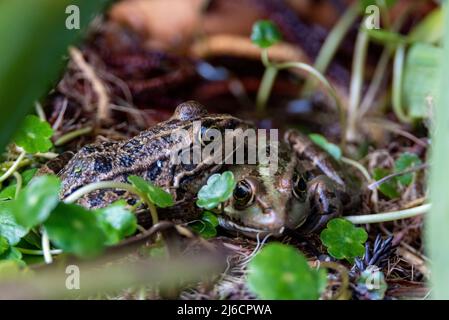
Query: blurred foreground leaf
point(281, 272)
point(33, 39)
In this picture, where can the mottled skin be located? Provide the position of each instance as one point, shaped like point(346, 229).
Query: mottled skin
point(306, 191)
point(146, 155)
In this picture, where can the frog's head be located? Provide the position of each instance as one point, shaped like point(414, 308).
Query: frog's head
point(263, 203)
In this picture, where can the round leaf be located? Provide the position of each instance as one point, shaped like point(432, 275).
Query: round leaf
point(281, 272)
point(35, 203)
point(34, 135)
point(75, 230)
point(117, 222)
point(265, 34)
point(343, 240)
point(218, 189)
point(406, 161)
point(9, 228)
point(156, 195)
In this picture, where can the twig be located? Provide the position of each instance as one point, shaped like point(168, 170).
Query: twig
point(97, 85)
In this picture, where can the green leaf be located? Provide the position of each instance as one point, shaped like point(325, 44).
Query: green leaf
point(265, 34)
point(406, 161)
point(422, 76)
point(156, 195)
point(210, 217)
point(327, 146)
point(343, 240)
point(204, 229)
point(371, 284)
point(207, 226)
point(10, 191)
point(9, 228)
point(29, 65)
point(218, 189)
point(280, 271)
point(117, 222)
point(12, 254)
point(35, 203)
point(429, 29)
point(388, 188)
point(4, 245)
point(34, 135)
point(75, 230)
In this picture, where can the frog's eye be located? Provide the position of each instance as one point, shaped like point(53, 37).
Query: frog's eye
point(207, 135)
point(243, 195)
point(299, 186)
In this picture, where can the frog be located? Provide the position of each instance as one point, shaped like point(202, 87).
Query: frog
point(306, 191)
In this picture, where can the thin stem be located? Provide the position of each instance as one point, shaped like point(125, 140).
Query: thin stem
point(72, 135)
point(265, 87)
point(358, 66)
point(19, 179)
point(389, 216)
point(330, 89)
point(359, 167)
point(13, 168)
point(99, 185)
point(46, 247)
point(343, 293)
point(398, 70)
point(38, 252)
point(377, 183)
point(333, 41)
point(47, 155)
point(40, 112)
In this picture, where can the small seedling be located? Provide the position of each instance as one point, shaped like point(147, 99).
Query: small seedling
point(218, 189)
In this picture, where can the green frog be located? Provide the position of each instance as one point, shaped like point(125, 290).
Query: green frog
point(303, 194)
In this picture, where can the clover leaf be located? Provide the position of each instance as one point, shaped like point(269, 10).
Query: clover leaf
point(406, 161)
point(156, 195)
point(4, 245)
point(34, 135)
point(280, 271)
point(9, 228)
point(218, 189)
point(75, 230)
point(327, 146)
point(265, 34)
point(343, 240)
point(35, 203)
point(206, 227)
point(117, 222)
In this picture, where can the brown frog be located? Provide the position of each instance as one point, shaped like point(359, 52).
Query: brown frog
point(305, 192)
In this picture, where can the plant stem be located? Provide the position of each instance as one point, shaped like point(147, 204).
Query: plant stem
point(333, 40)
point(38, 252)
point(330, 89)
point(46, 247)
point(13, 168)
point(99, 185)
point(18, 177)
point(265, 87)
point(113, 185)
point(358, 65)
point(398, 70)
point(72, 135)
point(437, 222)
point(389, 216)
point(358, 166)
